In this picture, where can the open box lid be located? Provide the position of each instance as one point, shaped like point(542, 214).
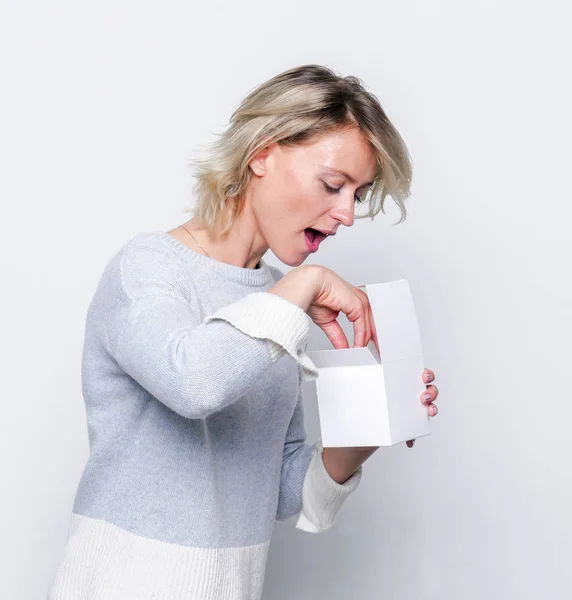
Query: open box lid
point(395, 320)
point(396, 325)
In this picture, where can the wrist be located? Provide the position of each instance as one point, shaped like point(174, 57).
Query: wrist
point(341, 463)
point(299, 286)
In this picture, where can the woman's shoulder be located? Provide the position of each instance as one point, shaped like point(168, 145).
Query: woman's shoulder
point(146, 263)
point(156, 241)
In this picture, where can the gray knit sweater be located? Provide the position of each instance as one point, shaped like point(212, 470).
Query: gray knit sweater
point(191, 380)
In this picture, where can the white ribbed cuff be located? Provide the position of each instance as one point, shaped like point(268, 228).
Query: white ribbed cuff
point(267, 316)
point(322, 497)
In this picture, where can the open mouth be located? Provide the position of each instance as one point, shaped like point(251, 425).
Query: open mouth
point(313, 238)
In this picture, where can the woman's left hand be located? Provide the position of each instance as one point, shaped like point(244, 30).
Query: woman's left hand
point(428, 397)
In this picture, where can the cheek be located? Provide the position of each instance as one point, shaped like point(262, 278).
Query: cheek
point(293, 191)
point(304, 200)
point(289, 202)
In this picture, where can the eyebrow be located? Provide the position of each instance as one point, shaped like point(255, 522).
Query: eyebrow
point(346, 175)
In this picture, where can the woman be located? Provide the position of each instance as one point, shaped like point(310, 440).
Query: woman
point(195, 350)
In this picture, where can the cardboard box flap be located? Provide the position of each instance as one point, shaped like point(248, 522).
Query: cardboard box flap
point(347, 357)
point(395, 320)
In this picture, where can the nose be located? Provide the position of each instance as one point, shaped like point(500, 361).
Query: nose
point(344, 211)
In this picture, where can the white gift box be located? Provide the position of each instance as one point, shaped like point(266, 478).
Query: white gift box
point(368, 400)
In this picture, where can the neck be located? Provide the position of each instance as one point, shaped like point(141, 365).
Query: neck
point(243, 246)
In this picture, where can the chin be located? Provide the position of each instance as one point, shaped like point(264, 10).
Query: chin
point(292, 259)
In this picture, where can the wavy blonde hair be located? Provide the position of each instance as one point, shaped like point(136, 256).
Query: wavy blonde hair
point(291, 108)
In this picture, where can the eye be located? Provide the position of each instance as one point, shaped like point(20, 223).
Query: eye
point(333, 190)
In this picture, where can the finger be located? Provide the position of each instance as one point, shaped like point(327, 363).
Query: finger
point(432, 410)
point(360, 327)
point(371, 320)
point(430, 394)
point(428, 376)
point(368, 316)
point(335, 334)
point(358, 318)
point(374, 331)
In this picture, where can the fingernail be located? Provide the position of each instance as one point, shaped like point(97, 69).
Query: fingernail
point(426, 396)
point(429, 377)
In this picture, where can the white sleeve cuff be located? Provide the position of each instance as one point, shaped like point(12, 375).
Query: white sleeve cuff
point(267, 316)
point(322, 497)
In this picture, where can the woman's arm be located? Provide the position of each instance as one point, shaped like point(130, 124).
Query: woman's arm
point(194, 367)
point(342, 463)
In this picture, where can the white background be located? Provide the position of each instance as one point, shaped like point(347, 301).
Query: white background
point(101, 106)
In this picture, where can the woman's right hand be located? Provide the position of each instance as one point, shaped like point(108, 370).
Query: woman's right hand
point(323, 294)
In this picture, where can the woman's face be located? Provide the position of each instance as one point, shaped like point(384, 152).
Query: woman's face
point(299, 195)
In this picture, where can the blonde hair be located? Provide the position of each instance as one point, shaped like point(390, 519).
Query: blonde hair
point(290, 109)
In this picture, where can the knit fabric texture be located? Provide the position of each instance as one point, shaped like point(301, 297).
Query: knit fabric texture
point(191, 378)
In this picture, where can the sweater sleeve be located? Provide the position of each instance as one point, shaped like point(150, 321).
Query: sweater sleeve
point(306, 487)
point(322, 497)
point(194, 367)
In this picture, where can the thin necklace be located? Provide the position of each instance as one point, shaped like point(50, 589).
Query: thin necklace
point(194, 238)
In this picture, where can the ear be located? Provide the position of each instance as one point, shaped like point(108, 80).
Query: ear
point(258, 161)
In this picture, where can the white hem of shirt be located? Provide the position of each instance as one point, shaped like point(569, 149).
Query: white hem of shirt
point(105, 562)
